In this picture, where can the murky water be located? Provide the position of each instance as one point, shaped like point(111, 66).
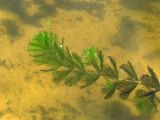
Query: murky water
point(125, 29)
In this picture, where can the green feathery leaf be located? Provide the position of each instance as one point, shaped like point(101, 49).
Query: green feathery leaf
point(44, 49)
point(128, 68)
point(110, 73)
point(60, 75)
point(154, 78)
point(89, 78)
point(113, 65)
point(150, 80)
point(126, 87)
point(145, 101)
point(91, 56)
point(110, 88)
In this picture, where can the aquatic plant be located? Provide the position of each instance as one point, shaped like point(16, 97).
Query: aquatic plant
point(47, 48)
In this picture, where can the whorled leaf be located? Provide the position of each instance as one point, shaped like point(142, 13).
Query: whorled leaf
point(113, 65)
point(110, 88)
point(125, 88)
point(91, 57)
point(73, 78)
point(153, 75)
point(60, 75)
point(154, 78)
point(147, 81)
point(77, 61)
point(91, 54)
point(145, 101)
point(89, 78)
point(144, 105)
point(128, 68)
point(101, 59)
point(110, 73)
point(150, 80)
point(45, 50)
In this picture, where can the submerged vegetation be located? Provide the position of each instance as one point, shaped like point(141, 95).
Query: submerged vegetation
point(47, 48)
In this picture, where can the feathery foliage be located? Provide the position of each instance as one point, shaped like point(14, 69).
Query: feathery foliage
point(47, 48)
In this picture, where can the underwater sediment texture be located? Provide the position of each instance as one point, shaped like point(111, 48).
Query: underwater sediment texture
point(125, 29)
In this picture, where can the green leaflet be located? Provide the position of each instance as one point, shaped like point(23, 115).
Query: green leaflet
point(146, 101)
point(73, 78)
point(128, 68)
point(125, 88)
point(154, 78)
point(145, 93)
point(110, 73)
point(101, 59)
point(144, 105)
point(44, 49)
point(77, 61)
point(113, 65)
point(60, 75)
point(153, 75)
point(146, 81)
point(92, 57)
point(150, 80)
point(89, 78)
point(110, 88)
